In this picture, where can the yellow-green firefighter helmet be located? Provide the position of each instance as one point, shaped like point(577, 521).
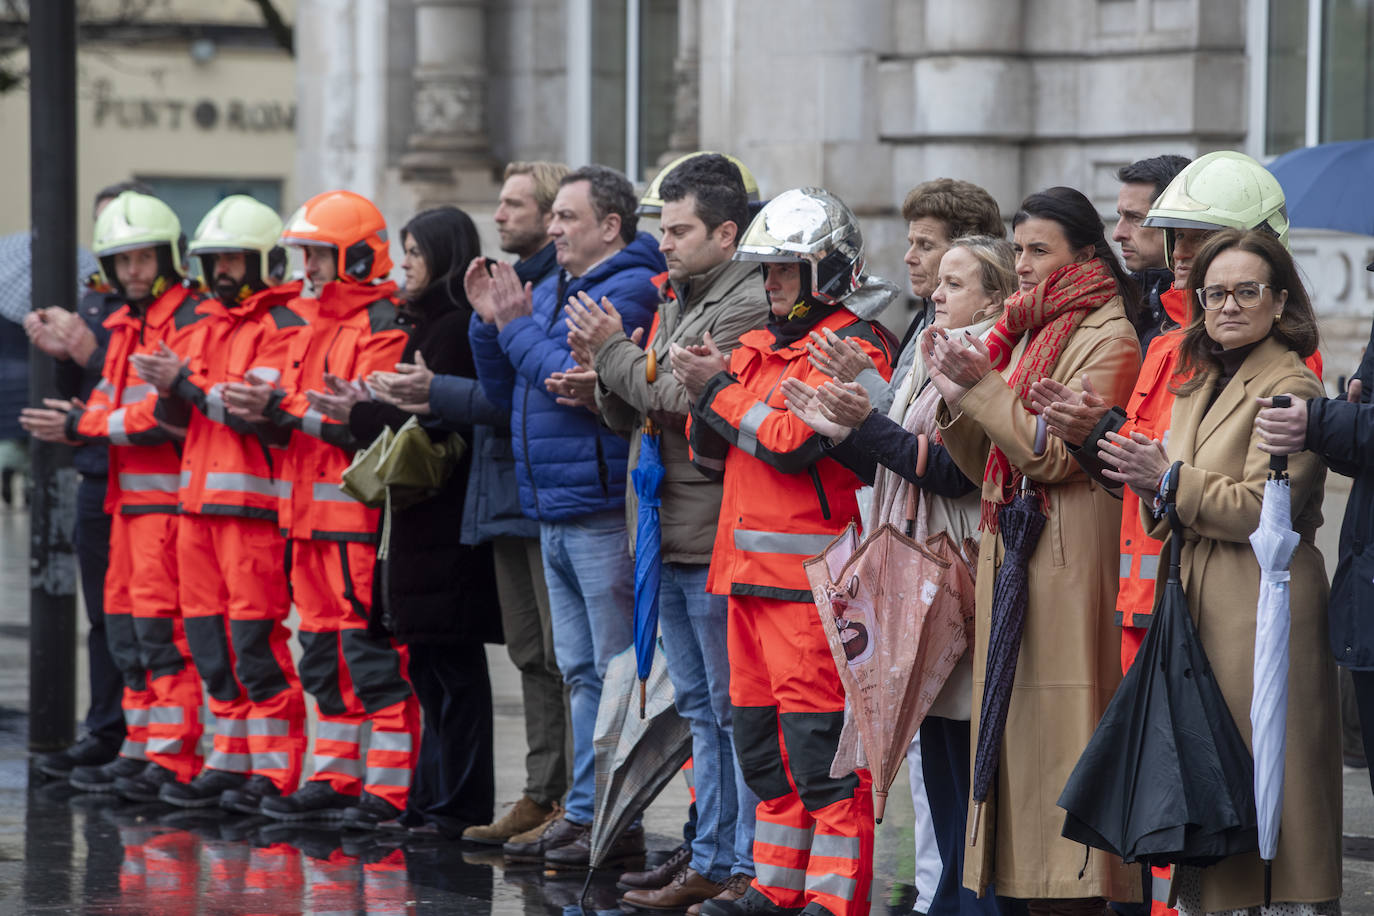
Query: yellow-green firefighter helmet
point(240, 223)
point(1222, 190)
point(132, 221)
point(651, 204)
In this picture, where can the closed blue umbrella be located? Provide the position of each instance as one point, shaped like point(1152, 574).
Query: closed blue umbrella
point(647, 477)
point(1327, 186)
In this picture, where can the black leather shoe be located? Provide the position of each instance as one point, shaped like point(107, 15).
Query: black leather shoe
point(370, 812)
point(628, 846)
point(315, 802)
point(558, 833)
point(146, 786)
point(90, 751)
point(202, 792)
point(247, 798)
point(101, 779)
point(751, 904)
point(656, 878)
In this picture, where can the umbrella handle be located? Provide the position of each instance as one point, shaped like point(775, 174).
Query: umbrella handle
point(1278, 464)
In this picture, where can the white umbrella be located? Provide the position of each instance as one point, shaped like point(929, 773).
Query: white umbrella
point(1274, 542)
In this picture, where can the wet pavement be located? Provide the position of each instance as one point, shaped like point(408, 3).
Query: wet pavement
point(63, 852)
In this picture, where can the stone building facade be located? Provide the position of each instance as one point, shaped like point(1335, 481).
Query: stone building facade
point(421, 101)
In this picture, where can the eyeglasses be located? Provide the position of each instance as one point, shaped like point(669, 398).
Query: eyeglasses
point(1247, 295)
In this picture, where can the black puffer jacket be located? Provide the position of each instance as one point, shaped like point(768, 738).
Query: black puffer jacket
point(1342, 433)
point(432, 589)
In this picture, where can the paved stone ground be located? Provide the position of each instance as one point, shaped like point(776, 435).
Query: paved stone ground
point(74, 854)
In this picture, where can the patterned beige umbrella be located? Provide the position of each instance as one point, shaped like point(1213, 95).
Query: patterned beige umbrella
point(898, 616)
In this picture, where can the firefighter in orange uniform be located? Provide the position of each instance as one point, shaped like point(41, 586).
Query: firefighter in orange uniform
point(356, 678)
point(234, 590)
point(783, 502)
point(138, 240)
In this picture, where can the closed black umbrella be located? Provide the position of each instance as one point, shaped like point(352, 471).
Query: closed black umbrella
point(1166, 778)
point(1020, 522)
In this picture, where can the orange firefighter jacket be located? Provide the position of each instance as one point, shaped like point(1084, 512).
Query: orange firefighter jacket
point(783, 500)
point(122, 411)
point(354, 330)
point(229, 466)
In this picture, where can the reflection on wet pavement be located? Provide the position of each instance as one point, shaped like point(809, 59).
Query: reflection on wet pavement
point(97, 854)
point(86, 853)
point(66, 852)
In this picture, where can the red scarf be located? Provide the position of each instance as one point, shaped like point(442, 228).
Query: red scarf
point(1050, 313)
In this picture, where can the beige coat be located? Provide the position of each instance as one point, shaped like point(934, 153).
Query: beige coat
point(1221, 486)
point(1070, 659)
point(726, 300)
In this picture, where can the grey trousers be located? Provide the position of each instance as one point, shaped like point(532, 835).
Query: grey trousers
point(528, 627)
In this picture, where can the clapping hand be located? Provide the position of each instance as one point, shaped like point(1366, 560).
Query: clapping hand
point(845, 403)
point(406, 388)
point(804, 403)
point(695, 365)
point(574, 388)
point(159, 369)
point(590, 325)
point(49, 422)
point(339, 399)
point(1070, 415)
point(955, 364)
point(837, 357)
point(1138, 462)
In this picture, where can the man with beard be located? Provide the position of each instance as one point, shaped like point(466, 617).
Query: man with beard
point(522, 222)
point(138, 241)
point(234, 589)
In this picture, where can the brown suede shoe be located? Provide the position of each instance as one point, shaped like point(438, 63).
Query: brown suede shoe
point(687, 888)
point(735, 886)
point(525, 814)
point(655, 878)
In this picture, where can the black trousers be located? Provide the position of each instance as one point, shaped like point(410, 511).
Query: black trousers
point(105, 717)
point(945, 765)
point(455, 779)
point(1364, 697)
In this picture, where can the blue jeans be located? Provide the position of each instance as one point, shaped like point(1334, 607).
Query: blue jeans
point(591, 582)
point(693, 624)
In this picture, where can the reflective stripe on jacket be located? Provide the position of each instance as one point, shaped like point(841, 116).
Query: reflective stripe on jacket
point(230, 466)
point(782, 501)
point(122, 410)
point(354, 330)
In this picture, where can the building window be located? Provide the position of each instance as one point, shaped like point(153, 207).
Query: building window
point(1314, 73)
point(191, 198)
point(621, 92)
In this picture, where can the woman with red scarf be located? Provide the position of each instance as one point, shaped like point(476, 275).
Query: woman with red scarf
point(1070, 320)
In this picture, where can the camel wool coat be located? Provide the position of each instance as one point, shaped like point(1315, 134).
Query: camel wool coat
point(1070, 659)
point(1221, 487)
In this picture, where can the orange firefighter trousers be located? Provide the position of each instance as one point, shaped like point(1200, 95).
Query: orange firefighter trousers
point(355, 677)
point(814, 843)
point(235, 601)
point(147, 638)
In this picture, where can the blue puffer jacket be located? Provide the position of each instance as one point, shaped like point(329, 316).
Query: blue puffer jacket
point(568, 464)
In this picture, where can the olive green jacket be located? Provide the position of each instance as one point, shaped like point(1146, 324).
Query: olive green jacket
point(726, 300)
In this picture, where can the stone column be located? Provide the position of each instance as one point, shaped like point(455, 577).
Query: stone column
point(687, 81)
point(449, 150)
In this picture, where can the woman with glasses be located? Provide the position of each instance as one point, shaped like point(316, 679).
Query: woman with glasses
point(1246, 343)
